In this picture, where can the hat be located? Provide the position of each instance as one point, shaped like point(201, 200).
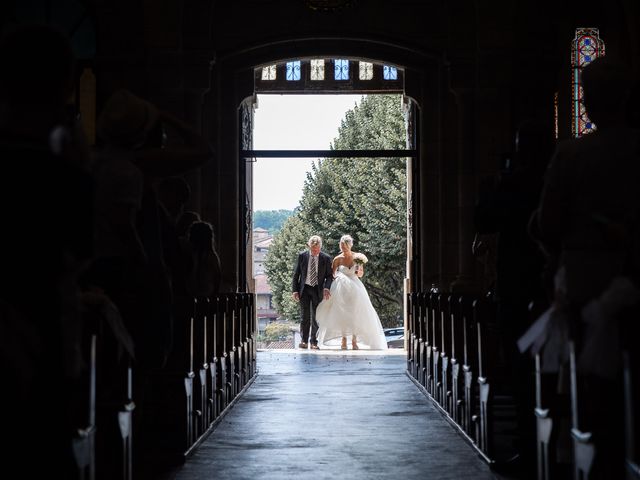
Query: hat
point(126, 119)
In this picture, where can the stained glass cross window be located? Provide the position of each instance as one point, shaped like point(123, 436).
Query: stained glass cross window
point(341, 69)
point(317, 69)
point(389, 73)
point(366, 71)
point(586, 47)
point(293, 71)
point(269, 73)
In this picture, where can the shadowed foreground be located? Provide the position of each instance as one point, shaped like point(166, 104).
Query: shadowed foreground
point(333, 415)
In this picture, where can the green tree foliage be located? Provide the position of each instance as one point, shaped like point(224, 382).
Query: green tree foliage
point(277, 331)
point(280, 262)
point(270, 220)
point(365, 198)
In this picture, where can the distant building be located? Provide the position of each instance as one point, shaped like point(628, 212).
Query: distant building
point(261, 243)
point(265, 311)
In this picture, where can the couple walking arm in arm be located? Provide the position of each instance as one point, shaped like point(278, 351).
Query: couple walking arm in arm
point(346, 311)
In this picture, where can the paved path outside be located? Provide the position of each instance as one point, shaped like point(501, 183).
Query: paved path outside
point(331, 414)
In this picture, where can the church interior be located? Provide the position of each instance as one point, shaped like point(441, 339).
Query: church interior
point(114, 372)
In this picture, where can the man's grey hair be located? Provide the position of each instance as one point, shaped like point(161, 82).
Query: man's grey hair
point(314, 240)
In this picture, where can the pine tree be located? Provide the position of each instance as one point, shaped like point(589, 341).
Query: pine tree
point(365, 198)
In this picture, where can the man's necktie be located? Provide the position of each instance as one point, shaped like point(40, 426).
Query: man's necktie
point(313, 273)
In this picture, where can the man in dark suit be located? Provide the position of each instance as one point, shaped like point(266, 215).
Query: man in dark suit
point(311, 283)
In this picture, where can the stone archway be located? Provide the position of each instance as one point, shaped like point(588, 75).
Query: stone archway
point(234, 74)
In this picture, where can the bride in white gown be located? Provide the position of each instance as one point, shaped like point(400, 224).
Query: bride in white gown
point(348, 312)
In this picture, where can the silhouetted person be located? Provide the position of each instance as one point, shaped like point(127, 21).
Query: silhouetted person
point(183, 264)
point(185, 220)
point(588, 214)
point(45, 203)
point(135, 135)
point(506, 210)
point(173, 193)
point(205, 275)
point(136, 131)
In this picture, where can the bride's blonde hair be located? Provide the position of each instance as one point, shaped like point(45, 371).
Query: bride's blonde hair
point(347, 240)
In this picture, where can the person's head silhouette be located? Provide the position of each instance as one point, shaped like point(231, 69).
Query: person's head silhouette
point(126, 120)
point(201, 236)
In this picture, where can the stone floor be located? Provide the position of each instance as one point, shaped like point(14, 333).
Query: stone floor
point(332, 414)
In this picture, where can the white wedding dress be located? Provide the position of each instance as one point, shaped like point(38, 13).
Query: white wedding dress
point(349, 312)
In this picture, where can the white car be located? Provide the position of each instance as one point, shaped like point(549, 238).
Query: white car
point(395, 337)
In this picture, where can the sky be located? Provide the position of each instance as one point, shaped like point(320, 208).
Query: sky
point(297, 122)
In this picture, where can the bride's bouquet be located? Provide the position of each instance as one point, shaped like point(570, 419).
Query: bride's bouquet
point(360, 259)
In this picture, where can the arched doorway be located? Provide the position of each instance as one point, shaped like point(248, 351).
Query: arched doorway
point(421, 86)
point(306, 81)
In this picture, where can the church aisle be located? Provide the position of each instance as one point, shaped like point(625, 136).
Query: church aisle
point(333, 415)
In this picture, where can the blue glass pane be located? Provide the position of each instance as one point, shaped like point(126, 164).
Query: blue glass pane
point(588, 125)
point(341, 69)
point(293, 70)
point(587, 42)
point(587, 58)
point(389, 73)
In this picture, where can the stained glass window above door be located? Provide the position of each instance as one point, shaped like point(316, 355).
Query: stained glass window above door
point(366, 70)
point(317, 69)
point(341, 69)
point(293, 71)
point(317, 75)
point(269, 73)
point(390, 73)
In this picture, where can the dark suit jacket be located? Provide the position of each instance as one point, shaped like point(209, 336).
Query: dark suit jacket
point(325, 273)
